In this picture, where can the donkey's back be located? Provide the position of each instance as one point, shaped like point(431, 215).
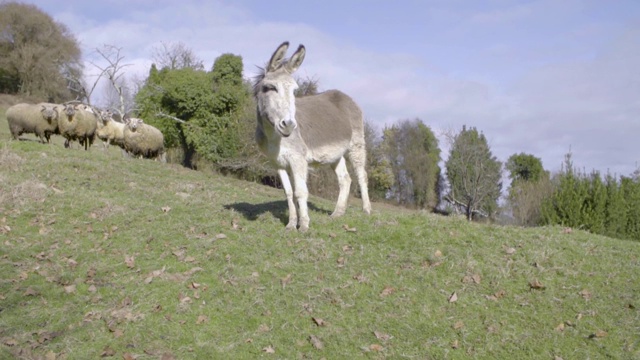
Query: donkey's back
point(329, 121)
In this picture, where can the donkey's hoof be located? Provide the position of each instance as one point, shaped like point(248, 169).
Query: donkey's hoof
point(337, 214)
point(303, 228)
point(291, 226)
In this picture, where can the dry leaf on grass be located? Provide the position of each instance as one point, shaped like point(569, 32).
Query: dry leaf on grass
point(536, 285)
point(586, 294)
point(382, 336)
point(453, 297)
point(10, 342)
point(388, 290)
point(598, 334)
point(202, 319)
point(31, 292)
point(316, 342)
point(70, 289)
point(165, 209)
point(285, 280)
point(107, 352)
point(130, 261)
point(319, 321)
point(458, 325)
point(269, 350)
point(349, 229)
point(455, 344)
point(376, 347)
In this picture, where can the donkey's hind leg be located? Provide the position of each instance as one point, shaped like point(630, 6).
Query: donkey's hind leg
point(344, 181)
point(358, 158)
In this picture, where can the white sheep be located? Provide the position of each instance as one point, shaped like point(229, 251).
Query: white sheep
point(78, 124)
point(40, 119)
point(144, 140)
point(110, 130)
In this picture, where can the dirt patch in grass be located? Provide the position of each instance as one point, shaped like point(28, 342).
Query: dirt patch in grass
point(29, 191)
point(10, 160)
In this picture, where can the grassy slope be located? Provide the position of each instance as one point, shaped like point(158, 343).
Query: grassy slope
point(101, 256)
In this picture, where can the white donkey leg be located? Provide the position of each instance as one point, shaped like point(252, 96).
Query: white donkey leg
point(288, 190)
point(301, 192)
point(358, 158)
point(344, 182)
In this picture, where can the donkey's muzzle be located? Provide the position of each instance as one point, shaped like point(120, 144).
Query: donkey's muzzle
point(286, 127)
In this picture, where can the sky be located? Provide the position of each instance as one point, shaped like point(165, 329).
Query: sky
point(545, 78)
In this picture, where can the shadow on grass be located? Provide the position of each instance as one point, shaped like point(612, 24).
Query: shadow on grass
point(279, 210)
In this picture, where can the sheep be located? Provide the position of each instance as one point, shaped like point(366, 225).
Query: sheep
point(144, 140)
point(40, 119)
point(78, 123)
point(110, 130)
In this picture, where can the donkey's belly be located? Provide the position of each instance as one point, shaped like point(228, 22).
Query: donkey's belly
point(327, 154)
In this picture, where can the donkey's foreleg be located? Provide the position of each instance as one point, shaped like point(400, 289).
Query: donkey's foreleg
point(344, 182)
point(288, 191)
point(301, 193)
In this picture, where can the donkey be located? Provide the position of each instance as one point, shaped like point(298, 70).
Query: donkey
point(313, 130)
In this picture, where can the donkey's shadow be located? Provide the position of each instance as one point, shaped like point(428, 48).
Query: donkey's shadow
point(278, 209)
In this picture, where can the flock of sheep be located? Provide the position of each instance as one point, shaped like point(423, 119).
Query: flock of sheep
point(82, 123)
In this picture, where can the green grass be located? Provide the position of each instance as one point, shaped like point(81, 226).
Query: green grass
point(106, 256)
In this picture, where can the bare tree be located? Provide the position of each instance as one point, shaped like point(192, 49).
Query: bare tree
point(111, 68)
point(176, 55)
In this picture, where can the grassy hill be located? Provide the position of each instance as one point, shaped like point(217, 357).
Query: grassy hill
point(103, 256)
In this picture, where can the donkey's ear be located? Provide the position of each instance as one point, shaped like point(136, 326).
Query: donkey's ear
point(278, 56)
point(296, 59)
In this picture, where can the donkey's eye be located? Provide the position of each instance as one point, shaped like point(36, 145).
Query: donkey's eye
point(267, 88)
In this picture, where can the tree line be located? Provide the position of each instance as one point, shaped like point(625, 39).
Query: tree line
point(208, 120)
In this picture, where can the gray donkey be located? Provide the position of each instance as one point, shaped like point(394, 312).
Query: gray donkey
point(296, 132)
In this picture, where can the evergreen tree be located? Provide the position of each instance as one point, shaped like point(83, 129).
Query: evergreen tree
point(615, 209)
point(631, 191)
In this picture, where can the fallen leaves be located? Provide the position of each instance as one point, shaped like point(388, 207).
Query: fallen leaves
point(453, 297)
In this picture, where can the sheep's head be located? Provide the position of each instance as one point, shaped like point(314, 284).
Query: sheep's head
point(70, 111)
point(106, 116)
point(134, 123)
point(49, 113)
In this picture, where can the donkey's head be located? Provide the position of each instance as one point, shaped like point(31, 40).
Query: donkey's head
point(274, 90)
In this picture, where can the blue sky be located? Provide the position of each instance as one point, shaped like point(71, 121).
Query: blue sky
point(541, 77)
